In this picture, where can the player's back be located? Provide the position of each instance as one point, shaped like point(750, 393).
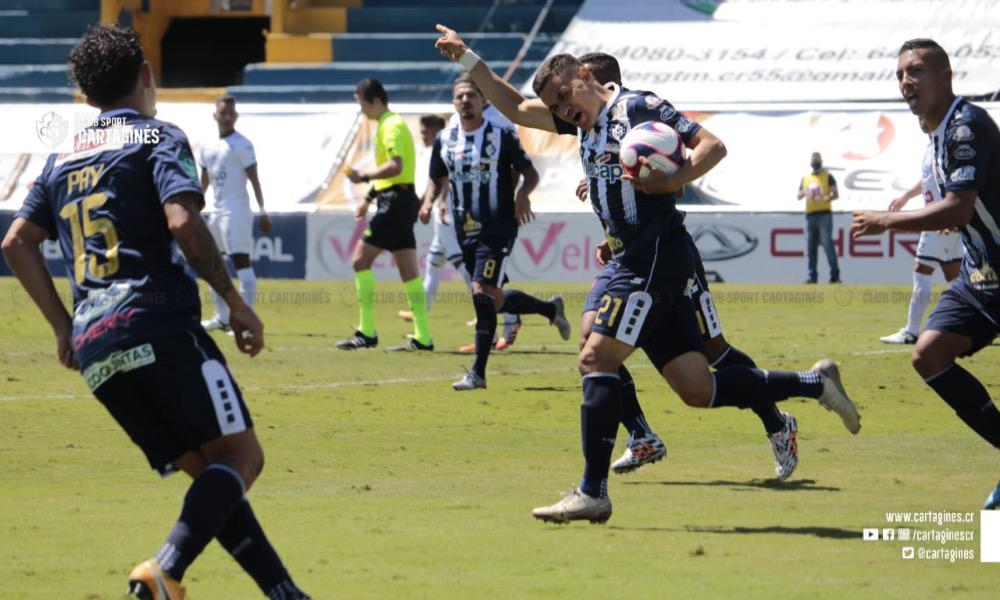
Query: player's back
point(103, 202)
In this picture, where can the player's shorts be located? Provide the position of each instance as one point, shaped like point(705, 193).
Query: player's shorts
point(232, 230)
point(486, 257)
point(593, 300)
point(392, 226)
point(935, 248)
point(170, 395)
point(445, 240)
point(957, 313)
point(660, 306)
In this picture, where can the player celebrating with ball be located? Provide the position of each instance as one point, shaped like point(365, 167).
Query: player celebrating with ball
point(644, 304)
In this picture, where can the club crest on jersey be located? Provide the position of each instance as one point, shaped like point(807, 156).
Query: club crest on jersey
point(618, 131)
point(963, 133)
point(489, 149)
point(964, 152)
point(963, 174)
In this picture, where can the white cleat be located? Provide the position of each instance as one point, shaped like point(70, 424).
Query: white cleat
point(834, 397)
point(900, 337)
point(638, 452)
point(785, 446)
point(560, 320)
point(470, 381)
point(215, 324)
point(575, 506)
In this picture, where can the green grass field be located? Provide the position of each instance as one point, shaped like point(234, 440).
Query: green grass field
point(383, 483)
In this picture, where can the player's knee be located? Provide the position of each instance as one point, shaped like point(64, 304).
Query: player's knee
point(590, 360)
point(924, 362)
point(715, 348)
point(436, 259)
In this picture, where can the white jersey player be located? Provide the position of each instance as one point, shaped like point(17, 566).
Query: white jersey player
point(227, 163)
point(935, 248)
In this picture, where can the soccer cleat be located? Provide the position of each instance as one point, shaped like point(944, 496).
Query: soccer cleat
point(509, 335)
point(834, 397)
point(406, 315)
point(147, 581)
point(560, 320)
point(645, 450)
point(358, 340)
point(215, 324)
point(470, 381)
point(575, 506)
point(993, 500)
point(900, 337)
point(785, 446)
point(412, 345)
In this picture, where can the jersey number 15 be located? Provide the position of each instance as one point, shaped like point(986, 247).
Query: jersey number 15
point(83, 226)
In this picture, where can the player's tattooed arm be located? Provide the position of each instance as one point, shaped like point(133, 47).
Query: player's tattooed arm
point(23, 254)
point(196, 241)
point(955, 210)
point(529, 113)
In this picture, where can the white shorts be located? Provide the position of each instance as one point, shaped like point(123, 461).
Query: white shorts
point(935, 248)
point(445, 240)
point(233, 231)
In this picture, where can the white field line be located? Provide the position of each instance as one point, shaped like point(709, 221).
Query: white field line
point(333, 385)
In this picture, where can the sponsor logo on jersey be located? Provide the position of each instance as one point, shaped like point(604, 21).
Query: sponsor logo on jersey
point(985, 278)
point(963, 174)
point(603, 168)
point(473, 175)
point(471, 227)
point(118, 362)
point(667, 112)
point(964, 152)
point(963, 133)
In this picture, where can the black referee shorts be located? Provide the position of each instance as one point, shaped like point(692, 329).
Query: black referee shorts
point(392, 226)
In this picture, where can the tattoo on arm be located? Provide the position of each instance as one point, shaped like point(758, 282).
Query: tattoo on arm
point(196, 241)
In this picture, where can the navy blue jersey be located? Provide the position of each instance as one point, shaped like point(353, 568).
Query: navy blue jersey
point(103, 202)
point(626, 213)
point(480, 165)
point(967, 157)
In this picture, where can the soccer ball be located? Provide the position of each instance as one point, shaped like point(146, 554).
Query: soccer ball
point(658, 142)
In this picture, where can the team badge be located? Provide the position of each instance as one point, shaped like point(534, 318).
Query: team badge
point(489, 149)
point(617, 131)
point(963, 133)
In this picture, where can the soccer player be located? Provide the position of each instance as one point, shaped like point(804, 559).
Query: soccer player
point(227, 164)
point(643, 445)
point(967, 170)
point(646, 301)
point(117, 203)
point(479, 159)
point(391, 229)
point(935, 248)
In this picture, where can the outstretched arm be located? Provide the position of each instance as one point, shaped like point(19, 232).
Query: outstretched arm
point(529, 113)
point(955, 210)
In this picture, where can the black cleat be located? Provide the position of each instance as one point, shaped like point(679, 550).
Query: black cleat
point(412, 345)
point(358, 340)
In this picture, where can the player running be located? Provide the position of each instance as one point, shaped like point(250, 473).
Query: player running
point(967, 170)
point(117, 204)
point(391, 229)
point(647, 298)
point(227, 163)
point(643, 445)
point(935, 248)
point(480, 159)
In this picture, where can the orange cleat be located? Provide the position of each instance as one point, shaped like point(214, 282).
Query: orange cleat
point(148, 582)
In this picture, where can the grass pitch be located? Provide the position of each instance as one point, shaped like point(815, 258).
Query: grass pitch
point(382, 482)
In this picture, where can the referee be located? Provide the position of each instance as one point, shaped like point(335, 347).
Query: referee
point(391, 229)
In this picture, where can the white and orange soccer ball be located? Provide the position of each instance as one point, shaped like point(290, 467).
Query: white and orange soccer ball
point(658, 142)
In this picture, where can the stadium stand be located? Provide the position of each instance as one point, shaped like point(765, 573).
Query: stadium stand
point(35, 37)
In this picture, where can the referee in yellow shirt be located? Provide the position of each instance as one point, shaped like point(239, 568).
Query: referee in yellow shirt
point(391, 228)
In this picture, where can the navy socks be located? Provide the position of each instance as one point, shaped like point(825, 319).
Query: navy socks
point(769, 415)
point(599, 416)
point(970, 400)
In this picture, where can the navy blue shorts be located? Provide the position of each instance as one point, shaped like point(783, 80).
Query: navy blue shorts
point(392, 226)
point(486, 257)
point(652, 305)
point(593, 300)
point(957, 314)
point(170, 395)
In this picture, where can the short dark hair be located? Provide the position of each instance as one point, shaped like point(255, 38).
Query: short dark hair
point(466, 79)
point(553, 66)
point(106, 63)
point(369, 89)
point(936, 56)
point(226, 99)
point(432, 121)
point(604, 67)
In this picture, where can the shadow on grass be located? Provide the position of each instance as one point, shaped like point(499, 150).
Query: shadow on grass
point(770, 484)
point(835, 533)
point(550, 388)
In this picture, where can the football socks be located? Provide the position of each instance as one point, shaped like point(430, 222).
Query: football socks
point(970, 400)
point(600, 414)
point(365, 283)
point(744, 387)
point(769, 415)
point(418, 304)
point(486, 328)
point(517, 302)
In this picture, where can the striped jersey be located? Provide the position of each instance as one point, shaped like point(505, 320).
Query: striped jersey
point(104, 203)
point(967, 157)
point(928, 181)
point(480, 166)
point(626, 213)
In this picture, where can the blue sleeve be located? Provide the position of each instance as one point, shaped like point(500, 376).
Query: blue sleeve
point(437, 168)
point(36, 207)
point(173, 166)
point(649, 107)
point(966, 155)
point(515, 151)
